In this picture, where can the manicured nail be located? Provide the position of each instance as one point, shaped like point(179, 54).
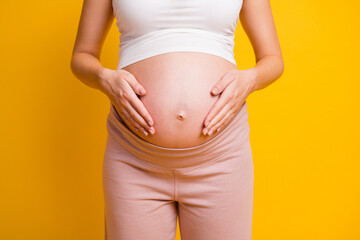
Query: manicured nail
point(205, 131)
point(210, 132)
point(207, 123)
point(145, 132)
point(142, 91)
point(150, 123)
point(152, 130)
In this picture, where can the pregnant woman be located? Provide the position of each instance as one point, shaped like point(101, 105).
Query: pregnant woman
point(178, 135)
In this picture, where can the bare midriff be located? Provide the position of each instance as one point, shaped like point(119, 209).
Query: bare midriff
point(178, 97)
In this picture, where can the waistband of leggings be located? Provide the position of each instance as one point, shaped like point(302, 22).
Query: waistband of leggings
point(224, 141)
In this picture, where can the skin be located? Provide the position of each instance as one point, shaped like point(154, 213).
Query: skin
point(178, 96)
point(257, 21)
point(123, 88)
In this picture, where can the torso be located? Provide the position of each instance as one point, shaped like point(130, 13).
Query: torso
point(179, 83)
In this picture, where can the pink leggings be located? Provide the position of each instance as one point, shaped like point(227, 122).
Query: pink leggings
point(209, 187)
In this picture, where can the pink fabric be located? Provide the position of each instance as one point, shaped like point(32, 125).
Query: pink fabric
point(209, 187)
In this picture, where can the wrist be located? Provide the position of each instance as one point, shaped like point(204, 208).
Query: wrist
point(254, 82)
point(102, 77)
point(252, 77)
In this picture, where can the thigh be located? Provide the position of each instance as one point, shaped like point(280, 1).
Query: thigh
point(216, 201)
point(138, 202)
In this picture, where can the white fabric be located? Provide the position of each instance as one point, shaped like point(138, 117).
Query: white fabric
point(152, 27)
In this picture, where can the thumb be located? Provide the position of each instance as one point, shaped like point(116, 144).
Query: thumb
point(221, 85)
point(135, 85)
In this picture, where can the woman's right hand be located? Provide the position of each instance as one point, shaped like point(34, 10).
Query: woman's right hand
point(121, 88)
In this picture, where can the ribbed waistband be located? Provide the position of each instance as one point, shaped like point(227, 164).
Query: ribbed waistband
point(174, 158)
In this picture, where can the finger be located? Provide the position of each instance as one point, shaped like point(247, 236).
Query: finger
point(218, 118)
point(134, 123)
point(135, 115)
point(125, 116)
point(222, 123)
point(222, 83)
point(234, 113)
point(226, 122)
point(140, 108)
point(227, 119)
point(124, 102)
point(134, 84)
point(220, 104)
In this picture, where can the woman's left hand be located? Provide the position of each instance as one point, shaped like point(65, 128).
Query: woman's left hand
point(235, 86)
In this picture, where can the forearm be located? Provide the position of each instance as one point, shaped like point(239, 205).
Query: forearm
point(267, 70)
point(88, 69)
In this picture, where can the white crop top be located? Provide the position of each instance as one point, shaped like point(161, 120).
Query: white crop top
point(152, 27)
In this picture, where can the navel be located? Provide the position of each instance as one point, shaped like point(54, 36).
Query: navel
point(181, 115)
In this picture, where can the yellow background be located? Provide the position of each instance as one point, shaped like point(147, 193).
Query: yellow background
point(304, 127)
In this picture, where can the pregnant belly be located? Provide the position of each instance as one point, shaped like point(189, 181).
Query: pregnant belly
point(178, 97)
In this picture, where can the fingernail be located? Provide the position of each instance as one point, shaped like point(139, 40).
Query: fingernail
point(142, 91)
point(214, 90)
point(218, 130)
point(136, 129)
point(207, 123)
point(210, 132)
point(150, 123)
point(145, 132)
point(152, 131)
point(205, 131)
